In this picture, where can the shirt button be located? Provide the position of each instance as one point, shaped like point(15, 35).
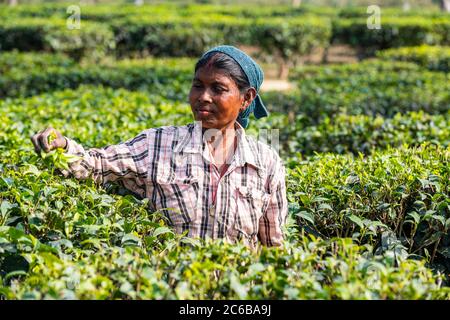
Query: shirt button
point(212, 210)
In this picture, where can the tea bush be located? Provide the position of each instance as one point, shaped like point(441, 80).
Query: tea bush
point(355, 134)
point(366, 88)
point(95, 115)
point(142, 28)
point(43, 10)
point(25, 74)
point(361, 12)
point(191, 36)
point(39, 34)
point(403, 191)
point(164, 33)
point(108, 12)
point(62, 238)
point(336, 269)
point(14, 61)
point(430, 57)
point(170, 78)
point(395, 32)
point(366, 146)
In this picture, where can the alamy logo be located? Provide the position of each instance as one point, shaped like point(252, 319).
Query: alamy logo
point(374, 20)
point(73, 22)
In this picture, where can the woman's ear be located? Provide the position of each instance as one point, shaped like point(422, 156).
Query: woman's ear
point(249, 96)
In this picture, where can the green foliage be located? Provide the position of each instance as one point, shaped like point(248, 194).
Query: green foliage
point(372, 223)
point(13, 62)
point(344, 133)
point(214, 270)
point(187, 30)
point(171, 36)
point(108, 115)
point(290, 37)
point(171, 77)
point(164, 30)
point(394, 32)
point(108, 12)
point(191, 36)
point(361, 12)
point(53, 35)
point(43, 10)
point(25, 74)
point(61, 238)
point(366, 88)
point(430, 57)
point(404, 192)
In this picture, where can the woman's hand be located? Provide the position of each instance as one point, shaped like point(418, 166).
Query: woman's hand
point(48, 140)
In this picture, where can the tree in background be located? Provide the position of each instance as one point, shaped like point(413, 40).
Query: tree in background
point(406, 5)
point(445, 5)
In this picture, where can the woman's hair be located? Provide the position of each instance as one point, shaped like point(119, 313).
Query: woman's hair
point(224, 62)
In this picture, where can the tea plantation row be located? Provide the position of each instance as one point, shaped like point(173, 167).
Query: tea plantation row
point(344, 108)
point(178, 30)
point(368, 221)
point(61, 238)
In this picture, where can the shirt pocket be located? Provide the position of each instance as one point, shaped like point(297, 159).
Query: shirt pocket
point(250, 206)
point(178, 195)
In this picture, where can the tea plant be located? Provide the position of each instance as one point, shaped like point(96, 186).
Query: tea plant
point(403, 191)
point(430, 57)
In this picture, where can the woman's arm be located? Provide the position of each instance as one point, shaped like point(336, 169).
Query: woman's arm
point(273, 219)
point(127, 161)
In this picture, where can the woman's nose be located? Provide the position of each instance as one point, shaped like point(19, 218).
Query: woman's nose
point(205, 96)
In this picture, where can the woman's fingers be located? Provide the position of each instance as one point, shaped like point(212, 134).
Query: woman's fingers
point(34, 140)
point(43, 140)
point(59, 142)
point(47, 140)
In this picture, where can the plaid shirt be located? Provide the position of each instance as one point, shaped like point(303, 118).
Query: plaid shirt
point(171, 166)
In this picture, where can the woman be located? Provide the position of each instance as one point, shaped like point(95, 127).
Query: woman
point(208, 178)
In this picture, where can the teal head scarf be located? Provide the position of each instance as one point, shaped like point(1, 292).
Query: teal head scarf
point(255, 77)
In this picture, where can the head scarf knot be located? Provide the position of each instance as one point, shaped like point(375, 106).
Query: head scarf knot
point(255, 77)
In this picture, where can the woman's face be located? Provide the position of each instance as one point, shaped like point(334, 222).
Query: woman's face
point(215, 98)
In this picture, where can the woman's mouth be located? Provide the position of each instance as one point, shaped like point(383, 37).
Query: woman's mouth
point(204, 111)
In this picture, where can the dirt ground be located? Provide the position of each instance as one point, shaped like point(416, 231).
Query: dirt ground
point(276, 85)
point(272, 81)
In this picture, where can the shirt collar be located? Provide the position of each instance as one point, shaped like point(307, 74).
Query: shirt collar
point(246, 151)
